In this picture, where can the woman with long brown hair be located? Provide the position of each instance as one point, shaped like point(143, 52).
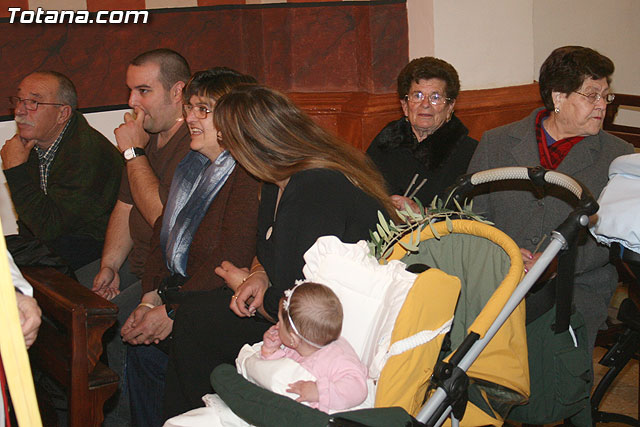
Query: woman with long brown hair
point(313, 185)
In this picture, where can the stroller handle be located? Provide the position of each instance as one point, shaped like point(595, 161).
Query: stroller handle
point(538, 175)
point(550, 177)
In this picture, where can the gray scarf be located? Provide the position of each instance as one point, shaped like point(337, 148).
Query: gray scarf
point(195, 184)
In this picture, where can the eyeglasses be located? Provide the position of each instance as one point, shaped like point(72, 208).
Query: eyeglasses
point(199, 111)
point(29, 104)
point(434, 99)
point(594, 98)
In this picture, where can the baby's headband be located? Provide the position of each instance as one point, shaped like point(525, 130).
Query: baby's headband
point(285, 304)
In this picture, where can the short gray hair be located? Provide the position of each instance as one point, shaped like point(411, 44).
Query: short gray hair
point(67, 93)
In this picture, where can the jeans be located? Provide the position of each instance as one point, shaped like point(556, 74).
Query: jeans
point(117, 408)
point(146, 368)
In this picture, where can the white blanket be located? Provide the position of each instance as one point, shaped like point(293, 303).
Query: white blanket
point(274, 375)
point(618, 219)
point(371, 294)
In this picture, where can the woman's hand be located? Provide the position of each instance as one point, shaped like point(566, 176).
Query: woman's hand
point(400, 201)
point(231, 274)
point(307, 391)
point(270, 341)
point(529, 258)
point(250, 294)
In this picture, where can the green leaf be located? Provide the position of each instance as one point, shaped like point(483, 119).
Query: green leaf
point(386, 253)
point(433, 202)
point(417, 234)
point(372, 249)
point(457, 204)
point(414, 216)
point(383, 222)
point(409, 247)
point(381, 231)
point(449, 224)
point(420, 207)
point(434, 231)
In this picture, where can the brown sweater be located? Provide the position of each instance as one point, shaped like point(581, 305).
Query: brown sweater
point(227, 232)
point(163, 161)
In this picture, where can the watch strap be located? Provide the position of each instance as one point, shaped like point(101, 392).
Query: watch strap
point(133, 152)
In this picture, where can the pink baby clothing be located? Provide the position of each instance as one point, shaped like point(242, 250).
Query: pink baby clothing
point(341, 376)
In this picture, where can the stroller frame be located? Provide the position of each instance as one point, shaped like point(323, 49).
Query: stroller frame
point(441, 404)
point(448, 399)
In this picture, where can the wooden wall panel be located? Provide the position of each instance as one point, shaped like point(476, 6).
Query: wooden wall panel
point(340, 47)
point(481, 110)
point(357, 117)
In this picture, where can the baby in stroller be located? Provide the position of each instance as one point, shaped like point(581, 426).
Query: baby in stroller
point(328, 375)
point(308, 331)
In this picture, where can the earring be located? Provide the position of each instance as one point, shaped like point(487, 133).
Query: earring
point(557, 110)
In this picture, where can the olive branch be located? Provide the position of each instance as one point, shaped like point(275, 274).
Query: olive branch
point(387, 233)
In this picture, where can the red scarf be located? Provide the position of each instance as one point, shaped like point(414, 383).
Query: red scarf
point(552, 155)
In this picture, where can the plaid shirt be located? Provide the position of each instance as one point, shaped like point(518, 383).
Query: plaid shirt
point(46, 157)
point(552, 155)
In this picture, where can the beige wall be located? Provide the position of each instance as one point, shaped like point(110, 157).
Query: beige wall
point(489, 46)
point(420, 16)
point(611, 28)
point(497, 43)
point(489, 42)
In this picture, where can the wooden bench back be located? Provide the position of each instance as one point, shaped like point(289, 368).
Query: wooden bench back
point(69, 342)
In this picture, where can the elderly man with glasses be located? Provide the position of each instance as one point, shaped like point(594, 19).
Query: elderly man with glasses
point(63, 175)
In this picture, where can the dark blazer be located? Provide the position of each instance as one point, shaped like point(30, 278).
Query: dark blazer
point(81, 188)
point(440, 158)
point(527, 215)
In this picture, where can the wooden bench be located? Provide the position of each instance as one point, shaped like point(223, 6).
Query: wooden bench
point(69, 342)
point(628, 133)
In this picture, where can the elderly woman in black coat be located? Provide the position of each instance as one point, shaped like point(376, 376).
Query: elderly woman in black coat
point(430, 145)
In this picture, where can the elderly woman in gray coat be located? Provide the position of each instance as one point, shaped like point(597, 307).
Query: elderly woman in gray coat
point(565, 136)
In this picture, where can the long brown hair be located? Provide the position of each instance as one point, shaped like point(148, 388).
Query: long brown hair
point(273, 139)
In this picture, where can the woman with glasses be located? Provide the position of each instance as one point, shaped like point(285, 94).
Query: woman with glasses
point(210, 216)
point(429, 147)
point(566, 135)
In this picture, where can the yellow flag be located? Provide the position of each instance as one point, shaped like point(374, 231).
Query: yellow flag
point(14, 352)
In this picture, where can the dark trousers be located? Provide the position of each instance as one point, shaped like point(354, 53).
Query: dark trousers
point(78, 251)
point(146, 367)
point(206, 333)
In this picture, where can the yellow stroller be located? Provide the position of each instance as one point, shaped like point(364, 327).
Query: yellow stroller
point(475, 276)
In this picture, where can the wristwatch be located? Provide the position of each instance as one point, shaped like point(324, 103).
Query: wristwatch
point(132, 152)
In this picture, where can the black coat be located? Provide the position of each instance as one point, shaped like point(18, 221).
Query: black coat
point(440, 158)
